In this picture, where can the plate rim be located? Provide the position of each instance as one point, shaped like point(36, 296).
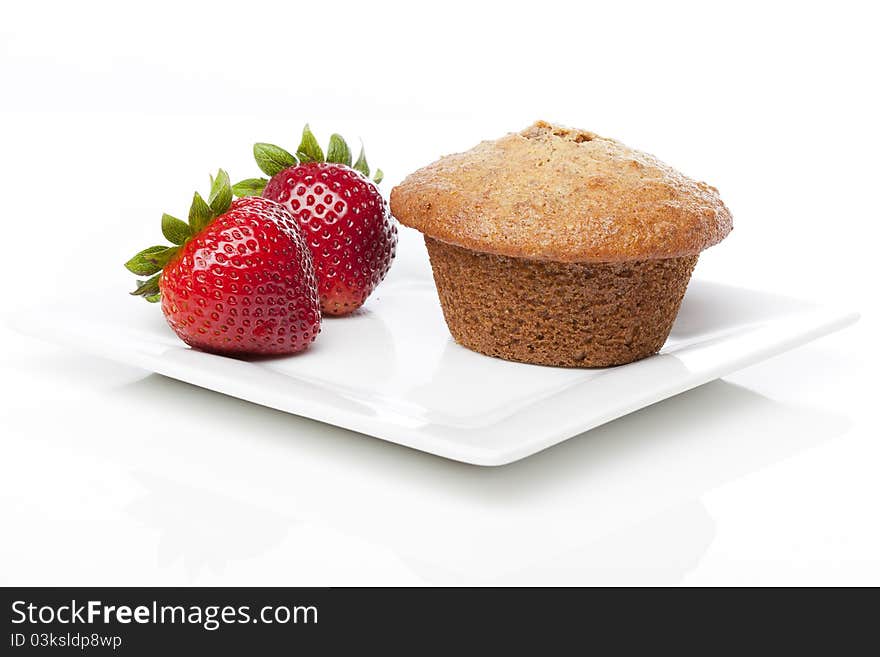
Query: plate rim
point(183, 364)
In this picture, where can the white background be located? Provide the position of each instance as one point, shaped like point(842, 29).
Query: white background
point(112, 113)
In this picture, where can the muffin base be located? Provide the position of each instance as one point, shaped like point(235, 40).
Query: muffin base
point(560, 314)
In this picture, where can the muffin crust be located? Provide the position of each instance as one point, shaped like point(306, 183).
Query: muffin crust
point(565, 195)
point(560, 314)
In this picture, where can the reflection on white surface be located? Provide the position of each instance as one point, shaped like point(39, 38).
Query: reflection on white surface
point(585, 512)
point(201, 529)
point(166, 483)
point(657, 551)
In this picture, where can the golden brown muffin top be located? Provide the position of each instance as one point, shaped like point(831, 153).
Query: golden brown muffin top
point(555, 193)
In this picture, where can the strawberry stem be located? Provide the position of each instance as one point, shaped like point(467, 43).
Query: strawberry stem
point(272, 160)
point(153, 259)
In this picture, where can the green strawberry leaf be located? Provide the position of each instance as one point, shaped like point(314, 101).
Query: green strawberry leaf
point(338, 151)
point(221, 193)
point(151, 260)
point(175, 230)
point(309, 150)
point(361, 163)
point(200, 213)
point(249, 187)
point(147, 287)
point(378, 176)
point(273, 159)
point(138, 264)
point(153, 298)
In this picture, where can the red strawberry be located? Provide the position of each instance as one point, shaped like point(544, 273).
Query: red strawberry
point(345, 220)
point(240, 281)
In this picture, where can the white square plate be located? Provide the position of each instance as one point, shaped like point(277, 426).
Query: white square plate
point(392, 371)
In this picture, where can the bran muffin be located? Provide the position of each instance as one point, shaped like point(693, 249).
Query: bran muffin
point(556, 246)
